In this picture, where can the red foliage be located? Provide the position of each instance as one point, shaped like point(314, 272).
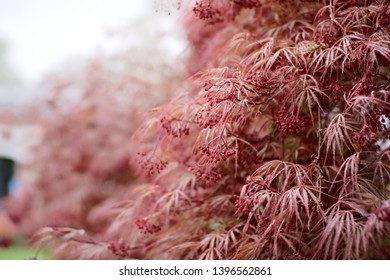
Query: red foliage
point(277, 151)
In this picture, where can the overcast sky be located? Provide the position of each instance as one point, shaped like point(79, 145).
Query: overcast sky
point(41, 34)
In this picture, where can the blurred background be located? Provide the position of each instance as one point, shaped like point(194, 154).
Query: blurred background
point(50, 50)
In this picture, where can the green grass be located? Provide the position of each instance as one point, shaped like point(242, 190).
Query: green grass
point(19, 252)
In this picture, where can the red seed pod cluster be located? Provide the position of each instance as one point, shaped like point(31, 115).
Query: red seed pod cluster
point(218, 11)
point(327, 34)
point(243, 205)
point(206, 11)
point(206, 174)
point(288, 123)
point(151, 165)
point(213, 98)
point(364, 138)
point(335, 91)
point(247, 157)
point(176, 128)
point(119, 249)
point(362, 88)
point(207, 117)
point(259, 83)
point(248, 199)
point(216, 153)
point(146, 227)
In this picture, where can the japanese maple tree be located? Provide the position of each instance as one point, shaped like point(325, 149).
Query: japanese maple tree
point(275, 147)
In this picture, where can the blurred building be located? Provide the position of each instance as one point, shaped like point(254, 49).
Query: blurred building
point(16, 142)
point(17, 135)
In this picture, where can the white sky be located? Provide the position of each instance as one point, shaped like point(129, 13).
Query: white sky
point(41, 34)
